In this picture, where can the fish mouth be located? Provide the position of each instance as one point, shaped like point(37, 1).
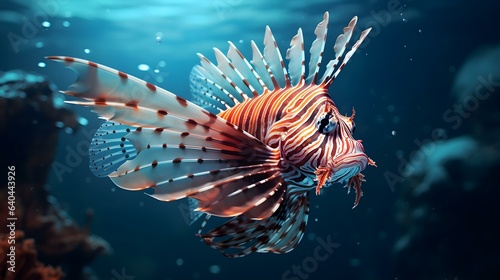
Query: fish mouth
point(341, 169)
point(347, 166)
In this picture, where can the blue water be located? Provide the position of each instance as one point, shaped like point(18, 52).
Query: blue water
point(399, 82)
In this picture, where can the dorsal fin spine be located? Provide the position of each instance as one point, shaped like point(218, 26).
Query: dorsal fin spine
point(347, 57)
point(267, 68)
point(216, 73)
point(221, 60)
point(276, 66)
point(317, 48)
point(260, 66)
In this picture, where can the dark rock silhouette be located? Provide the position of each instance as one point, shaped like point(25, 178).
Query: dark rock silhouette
point(31, 116)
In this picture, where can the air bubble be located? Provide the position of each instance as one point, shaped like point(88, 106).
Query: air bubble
point(355, 262)
point(66, 23)
point(159, 37)
point(83, 121)
point(41, 64)
point(143, 67)
point(393, 133)
point(59, 124)
point(87, 51)
point(214, 269)
point(311, 236)
point(39, 45)
point(46, 24)
point(179, 262)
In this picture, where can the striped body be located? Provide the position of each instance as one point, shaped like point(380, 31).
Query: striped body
point(272, 107)
point(256, 139)
point(287, 111)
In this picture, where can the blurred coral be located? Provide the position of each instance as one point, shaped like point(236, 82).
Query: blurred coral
point(32, 114)
point(27, 266)
point(448, 210)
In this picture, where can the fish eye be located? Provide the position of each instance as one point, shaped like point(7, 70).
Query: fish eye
point(326, 123)
point(353, 128)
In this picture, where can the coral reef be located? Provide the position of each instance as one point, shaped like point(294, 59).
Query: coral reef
point(27, 266)
point(31, 116)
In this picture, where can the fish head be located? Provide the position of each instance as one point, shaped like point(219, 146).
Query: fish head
point(321, 143)
point(345, 156)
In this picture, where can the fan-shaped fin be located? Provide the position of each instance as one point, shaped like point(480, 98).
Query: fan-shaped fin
point(214, 188)
point(194, 215)
point(215, 74)
point(242, 192)
point(237, 78)
point(129, 100)
point(245, 90)
point(279, 233)
point(207, 94)
point(179, 149)
point(109, 148)
point(182, 150)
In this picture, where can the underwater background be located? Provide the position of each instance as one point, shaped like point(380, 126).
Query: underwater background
point(429, 210)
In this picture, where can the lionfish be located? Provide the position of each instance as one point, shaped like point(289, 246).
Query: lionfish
point(255, 141)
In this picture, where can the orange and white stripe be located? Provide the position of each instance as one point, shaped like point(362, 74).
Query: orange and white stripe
point(257, 137)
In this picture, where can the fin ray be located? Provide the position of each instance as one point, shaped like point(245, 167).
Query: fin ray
point(279, 233)
point(295, 55)
point(234, 76)
point(261, 67)
point(317, 49)
point(242, 64)
point(273, 57)
point(109, 149)
point(179, 148)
